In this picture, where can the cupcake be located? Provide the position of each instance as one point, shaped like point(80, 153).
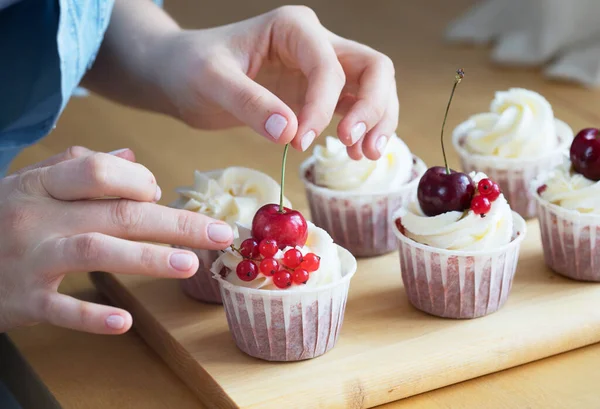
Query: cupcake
point(513, 143)
point(568, 205)
point(459, 242)
point(285, 304)
point(354, 200)
point(232, 195)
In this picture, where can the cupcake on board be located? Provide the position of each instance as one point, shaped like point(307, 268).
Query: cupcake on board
point(354, 200)
point(284, 285)
point(232, 195)
point(568, 205)
point(514, 143)
point(459, 242)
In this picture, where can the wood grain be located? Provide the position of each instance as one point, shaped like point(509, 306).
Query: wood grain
point(88, 371)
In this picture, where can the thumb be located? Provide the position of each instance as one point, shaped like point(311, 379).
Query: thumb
point(254, 105)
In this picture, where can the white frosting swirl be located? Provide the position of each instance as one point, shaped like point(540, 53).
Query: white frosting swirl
point(233, 195)
point(318, 242)
point(460, 230)
point(520, 124)
point(334, 169)
point(571, 190)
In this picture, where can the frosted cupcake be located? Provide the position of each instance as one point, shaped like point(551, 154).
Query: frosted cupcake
point(354, 200)
point(568, 205)
point(232, 195)
point(513, 143)
point(284, 285)
point(459, 242)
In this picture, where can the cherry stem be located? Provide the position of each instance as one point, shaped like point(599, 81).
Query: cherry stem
point(460, 74)
point(285, 151)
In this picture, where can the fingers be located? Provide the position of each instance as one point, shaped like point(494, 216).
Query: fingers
point(68, 312)
point(72, 153)
point(301, 41)
point(148, 222)
point(376, 140)
point(356, 151)
point(99, 252)
point(251, 103)
point(98, 175)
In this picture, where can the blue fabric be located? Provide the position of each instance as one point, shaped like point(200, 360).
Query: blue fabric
point(46, 46)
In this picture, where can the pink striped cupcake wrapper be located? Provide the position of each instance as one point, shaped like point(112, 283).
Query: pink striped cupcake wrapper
point(288, 325)
point(571, 241)
point(459, 284)
point(202, 286)
point(359, 222)
point(514, 175)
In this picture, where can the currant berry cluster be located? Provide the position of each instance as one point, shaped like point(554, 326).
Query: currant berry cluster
point(259, 258)
point(487, 192)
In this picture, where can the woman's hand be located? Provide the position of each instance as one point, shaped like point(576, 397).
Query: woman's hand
point(51, 225)
point(285, 75)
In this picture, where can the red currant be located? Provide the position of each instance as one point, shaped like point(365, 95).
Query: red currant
point(300, 276)
point(249, 248)
point(489, 189)
point(282, 279)
point(246, 270)
point(292, 258)
point(267, 248)
point(480, 205)
point(269, 266)
point(310, 262)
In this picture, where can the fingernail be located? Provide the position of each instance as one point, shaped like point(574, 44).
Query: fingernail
point(158, 194)
point(115, 322)
point(381, 144)
point(358, 131)
point(275, 125)
point(221, 233)
point(118, 151)
point(307, 139)
point(181, 261)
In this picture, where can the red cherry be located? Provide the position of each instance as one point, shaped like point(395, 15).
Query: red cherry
point(269, 266)
point(480, 205)
point(300, 276)
point(246, 270)
point(288, 229)
point(489, 189)
point(310, 262)
point(267, 248)
point(439, 192)
point(282, 279)
point(249, 248)
point(541, 189)
point(292, 258)
point(585, 153)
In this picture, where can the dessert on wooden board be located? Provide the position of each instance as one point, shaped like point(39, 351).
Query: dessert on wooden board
point(284, 285)
point(568, 205)
point(459, 242)
point(513, 143)
point(354, 200)
point(232, 195)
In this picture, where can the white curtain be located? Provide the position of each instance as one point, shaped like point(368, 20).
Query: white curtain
point(561, 35)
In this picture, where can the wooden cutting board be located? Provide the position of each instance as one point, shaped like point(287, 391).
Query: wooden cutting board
point(387, 350)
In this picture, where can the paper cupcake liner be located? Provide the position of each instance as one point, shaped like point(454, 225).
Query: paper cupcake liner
point(359, 222)
point(571, 241)
point(459, 284)
point(288, 325)
point(202, 286)
point(514, 175)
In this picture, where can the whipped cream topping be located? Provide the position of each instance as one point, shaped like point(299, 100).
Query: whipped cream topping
point(571, 190)
point(460, 230)
point(520, 124)
point(232, 195)
point(318, 242)
point(334, 169)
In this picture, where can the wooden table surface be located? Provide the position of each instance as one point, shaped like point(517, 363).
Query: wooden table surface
point(91, 371)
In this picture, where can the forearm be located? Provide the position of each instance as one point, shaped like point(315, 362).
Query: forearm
point(127, 68)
